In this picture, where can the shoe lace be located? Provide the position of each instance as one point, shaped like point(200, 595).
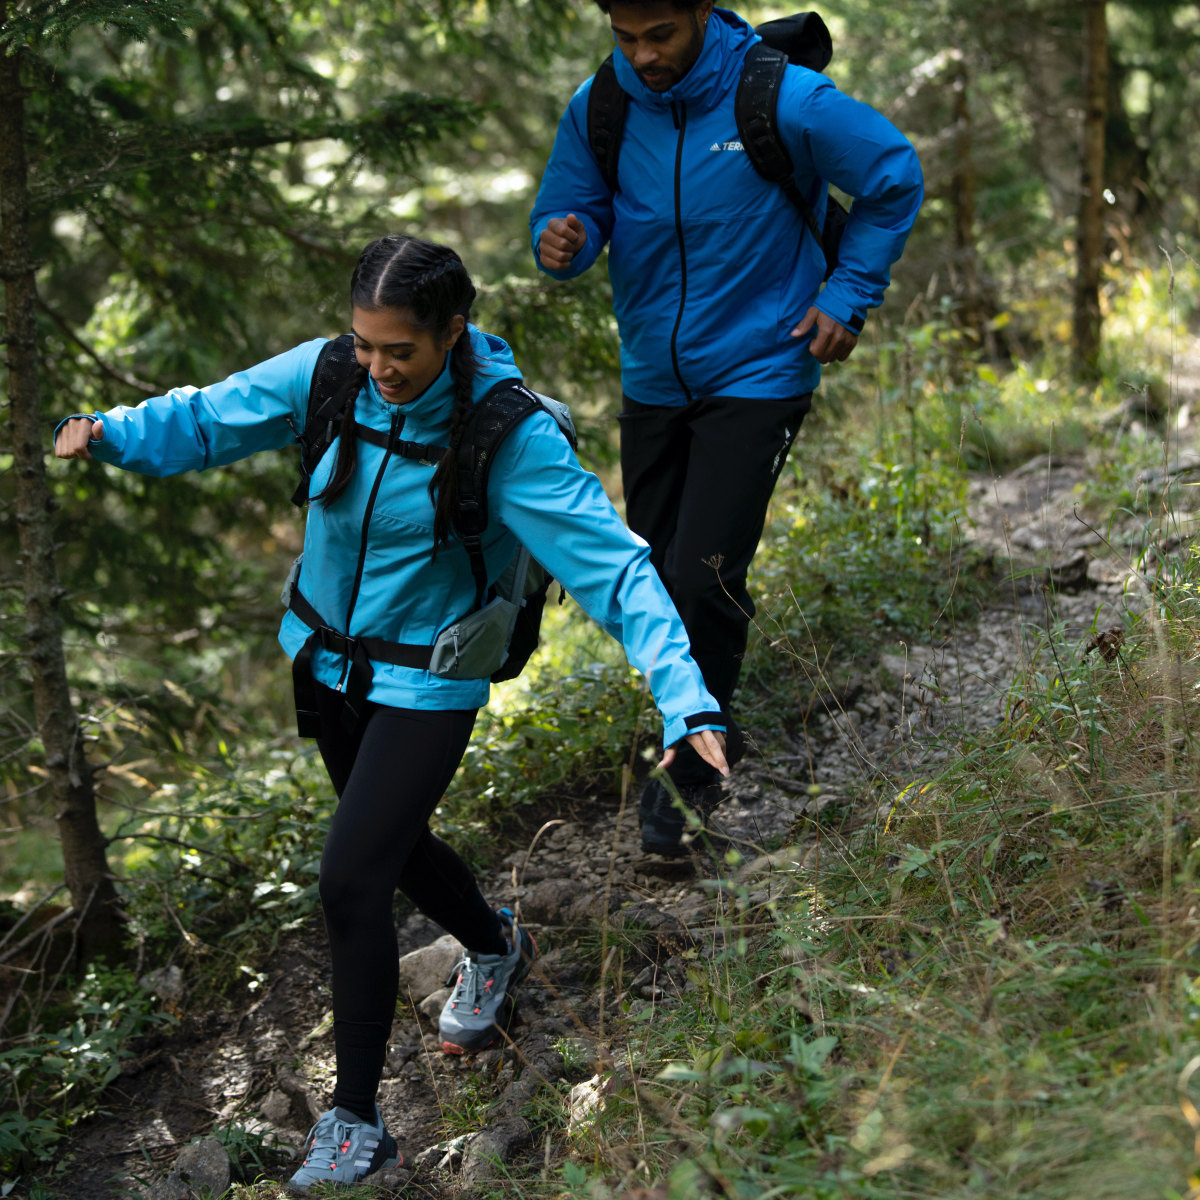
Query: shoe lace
point(472, 985)
point(328, 1140)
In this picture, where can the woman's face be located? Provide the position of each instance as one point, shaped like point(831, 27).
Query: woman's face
point(402, 359)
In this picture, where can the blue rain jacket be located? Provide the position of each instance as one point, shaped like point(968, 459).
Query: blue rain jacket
point(712, 266)
point(538, 493)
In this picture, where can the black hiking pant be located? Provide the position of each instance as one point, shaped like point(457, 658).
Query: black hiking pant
point(697, 481)
point(389, 777)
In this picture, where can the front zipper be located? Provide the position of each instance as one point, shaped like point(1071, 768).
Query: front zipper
point(393, 435)
point(679, 116)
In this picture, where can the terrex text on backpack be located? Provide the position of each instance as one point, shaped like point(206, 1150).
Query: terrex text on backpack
point(496, 638)
point(803, 40)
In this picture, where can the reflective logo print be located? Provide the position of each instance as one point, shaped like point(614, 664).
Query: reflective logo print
point(787, 441)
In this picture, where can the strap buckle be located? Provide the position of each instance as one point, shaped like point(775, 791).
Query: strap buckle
point(337, 642)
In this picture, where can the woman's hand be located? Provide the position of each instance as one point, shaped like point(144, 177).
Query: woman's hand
point(73, 437)
point(708, 743)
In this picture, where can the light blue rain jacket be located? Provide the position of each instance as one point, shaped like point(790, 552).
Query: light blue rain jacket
point(538, 493)
point(712, 266)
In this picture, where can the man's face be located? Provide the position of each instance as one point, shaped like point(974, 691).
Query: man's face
point(660, 41)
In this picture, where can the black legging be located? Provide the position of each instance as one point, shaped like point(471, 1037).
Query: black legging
point(389, 777)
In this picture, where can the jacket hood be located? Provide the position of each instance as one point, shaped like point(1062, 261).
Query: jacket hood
point(714, 72)
point(430, 411)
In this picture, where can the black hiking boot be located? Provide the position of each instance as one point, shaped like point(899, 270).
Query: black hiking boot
point(699, 788)
point(663, 820)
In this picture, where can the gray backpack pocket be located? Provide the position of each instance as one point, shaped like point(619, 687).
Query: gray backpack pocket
point(474, 646)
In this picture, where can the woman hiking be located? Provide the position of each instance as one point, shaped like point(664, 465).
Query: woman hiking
point(382, 568)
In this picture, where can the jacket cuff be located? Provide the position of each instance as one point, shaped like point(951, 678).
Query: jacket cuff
point(587, 255)
point(80, 416)
point(841, 313)
point(677, 728)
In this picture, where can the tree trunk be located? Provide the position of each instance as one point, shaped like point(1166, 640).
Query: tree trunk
point(972, 310)
point(69, 777)
point(1089, 226)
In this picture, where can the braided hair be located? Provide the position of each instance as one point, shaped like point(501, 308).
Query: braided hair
point(429, 282)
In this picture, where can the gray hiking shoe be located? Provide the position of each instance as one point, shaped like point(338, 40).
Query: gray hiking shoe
point(341, 1149)
point(481, 1003)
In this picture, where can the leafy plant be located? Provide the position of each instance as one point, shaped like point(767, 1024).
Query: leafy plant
point(49, 1080)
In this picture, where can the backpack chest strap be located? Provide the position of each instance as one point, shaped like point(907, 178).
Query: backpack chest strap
point(416, 451)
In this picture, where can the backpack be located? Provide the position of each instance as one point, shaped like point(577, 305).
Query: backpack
point(496, 638)
point(801, 39)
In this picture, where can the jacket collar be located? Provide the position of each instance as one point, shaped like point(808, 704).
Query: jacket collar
point(713, 74)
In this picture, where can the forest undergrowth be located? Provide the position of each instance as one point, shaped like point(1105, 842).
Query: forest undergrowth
point(980, 980)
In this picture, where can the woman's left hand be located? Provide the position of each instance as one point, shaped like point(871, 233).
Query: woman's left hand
point(708, 743)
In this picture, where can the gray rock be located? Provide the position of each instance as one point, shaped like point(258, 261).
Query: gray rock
point(201, 1165)
point(296, 1086)
point(425, 970)
point(431, 1007)
point(400, 1054)
point(591, 907)
point(488, 1150)
point(277, 1107)
point(166, 983)
point(549, 902)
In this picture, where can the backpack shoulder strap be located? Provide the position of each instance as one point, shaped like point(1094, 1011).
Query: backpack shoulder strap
point(754, 109)
point(606, 108)
point(335, 364)
point(496, 414)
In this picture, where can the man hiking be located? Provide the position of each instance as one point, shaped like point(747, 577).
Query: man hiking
point(717, 287)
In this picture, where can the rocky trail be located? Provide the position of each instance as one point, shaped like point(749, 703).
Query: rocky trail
point(267, 1067)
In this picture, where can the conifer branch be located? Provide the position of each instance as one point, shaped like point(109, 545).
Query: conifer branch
point(129, 381)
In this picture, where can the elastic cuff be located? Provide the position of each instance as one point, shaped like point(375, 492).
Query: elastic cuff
point(843, 314)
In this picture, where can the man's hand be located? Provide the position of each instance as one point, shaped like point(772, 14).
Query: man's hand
point(73, 437)
point(832, 342)
point(561, 240)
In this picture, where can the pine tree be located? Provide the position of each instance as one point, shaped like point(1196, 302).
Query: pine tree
point(164, 189)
